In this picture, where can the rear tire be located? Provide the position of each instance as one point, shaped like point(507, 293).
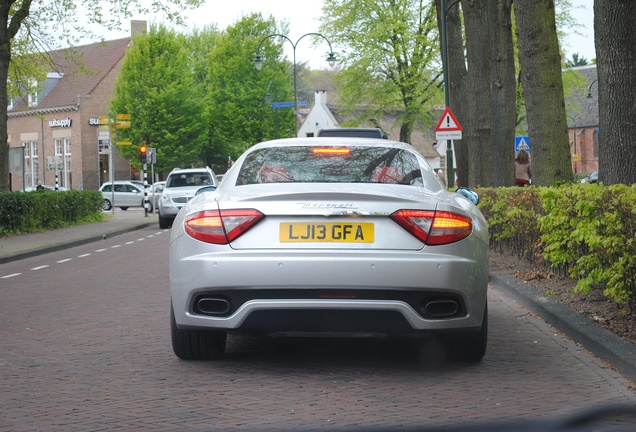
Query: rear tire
point(471, 346)
point(164, 222)
point(196, 344)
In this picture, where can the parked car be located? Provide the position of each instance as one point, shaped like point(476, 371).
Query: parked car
point(311, 236)
point(352, 132)
point(154, 192)
point(125, 193)
point(181, 185)
point(591, 178)
point(46, 188)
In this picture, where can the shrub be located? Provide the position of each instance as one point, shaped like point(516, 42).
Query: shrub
point(26, 212)
point(583, 231)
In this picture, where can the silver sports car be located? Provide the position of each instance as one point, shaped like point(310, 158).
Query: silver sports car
point(329, 237)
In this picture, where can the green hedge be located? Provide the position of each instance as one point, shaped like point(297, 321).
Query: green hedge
point(27, 212)
point(585, 231)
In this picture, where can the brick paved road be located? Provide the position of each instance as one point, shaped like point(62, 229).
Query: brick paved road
point(85, 346)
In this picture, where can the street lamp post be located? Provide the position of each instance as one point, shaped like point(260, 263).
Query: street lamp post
point(269, 99)
point(589, 90)
point(112, 120)
point(258, 61)
point(575, 156)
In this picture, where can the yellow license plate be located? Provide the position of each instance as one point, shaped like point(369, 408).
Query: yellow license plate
point(328, 232)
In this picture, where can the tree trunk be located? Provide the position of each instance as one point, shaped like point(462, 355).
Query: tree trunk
point(504, 93)
point(476, 135)
point(615, 37)
point(542, 83)
point(5, 59)
point(457, 78)
point(457, 82)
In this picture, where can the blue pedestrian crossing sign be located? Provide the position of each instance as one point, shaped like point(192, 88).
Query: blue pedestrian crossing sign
point(522, 143)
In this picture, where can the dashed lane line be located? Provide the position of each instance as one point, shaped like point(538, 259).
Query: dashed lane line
point(12, 275)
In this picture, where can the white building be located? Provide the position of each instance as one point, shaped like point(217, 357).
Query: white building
point(322, 116)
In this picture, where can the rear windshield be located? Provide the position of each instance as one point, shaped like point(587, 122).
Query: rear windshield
point(188, 179)
point(330, 165)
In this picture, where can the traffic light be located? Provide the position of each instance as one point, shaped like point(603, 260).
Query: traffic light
point(143, 153)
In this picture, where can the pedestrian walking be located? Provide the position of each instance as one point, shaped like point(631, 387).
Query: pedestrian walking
point(523, 173)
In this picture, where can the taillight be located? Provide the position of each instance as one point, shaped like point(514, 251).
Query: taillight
point(220, 227)
point(434, 227)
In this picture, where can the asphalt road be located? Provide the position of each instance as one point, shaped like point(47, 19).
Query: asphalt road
point(85, 346)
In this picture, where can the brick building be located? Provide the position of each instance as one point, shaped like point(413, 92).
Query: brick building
point(56, 134)
point(583, 124)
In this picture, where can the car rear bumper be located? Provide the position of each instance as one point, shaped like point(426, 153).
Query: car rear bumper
point(169, 210)
point(378, 292)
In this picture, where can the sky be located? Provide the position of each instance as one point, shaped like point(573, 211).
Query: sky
point(582, 44)
point(303, 17)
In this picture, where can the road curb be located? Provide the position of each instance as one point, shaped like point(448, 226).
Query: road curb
point(603, 343)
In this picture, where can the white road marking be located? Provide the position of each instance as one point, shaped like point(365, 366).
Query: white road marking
point(82, 256)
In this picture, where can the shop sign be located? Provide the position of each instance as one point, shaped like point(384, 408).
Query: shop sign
point(60, 122)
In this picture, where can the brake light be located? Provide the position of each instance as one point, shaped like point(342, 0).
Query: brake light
point(434, 227)
point(333, 151)
point(221, 227)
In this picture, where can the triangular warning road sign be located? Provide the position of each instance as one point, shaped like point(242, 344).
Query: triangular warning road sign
point(448, 122)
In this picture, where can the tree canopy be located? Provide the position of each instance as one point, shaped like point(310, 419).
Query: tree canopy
point(390, 61)
point(156, 86)
point(237, 112)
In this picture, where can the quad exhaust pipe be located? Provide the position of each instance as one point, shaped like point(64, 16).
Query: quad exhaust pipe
point(434, 308)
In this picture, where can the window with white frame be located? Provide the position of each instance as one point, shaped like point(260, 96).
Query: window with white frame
point(67, 162)
point(31, 163)
point(63, 153)
point(35, 162)
point(32, 96)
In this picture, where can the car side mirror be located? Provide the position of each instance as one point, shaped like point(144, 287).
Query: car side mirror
point(469, 194)
point(205, 189)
